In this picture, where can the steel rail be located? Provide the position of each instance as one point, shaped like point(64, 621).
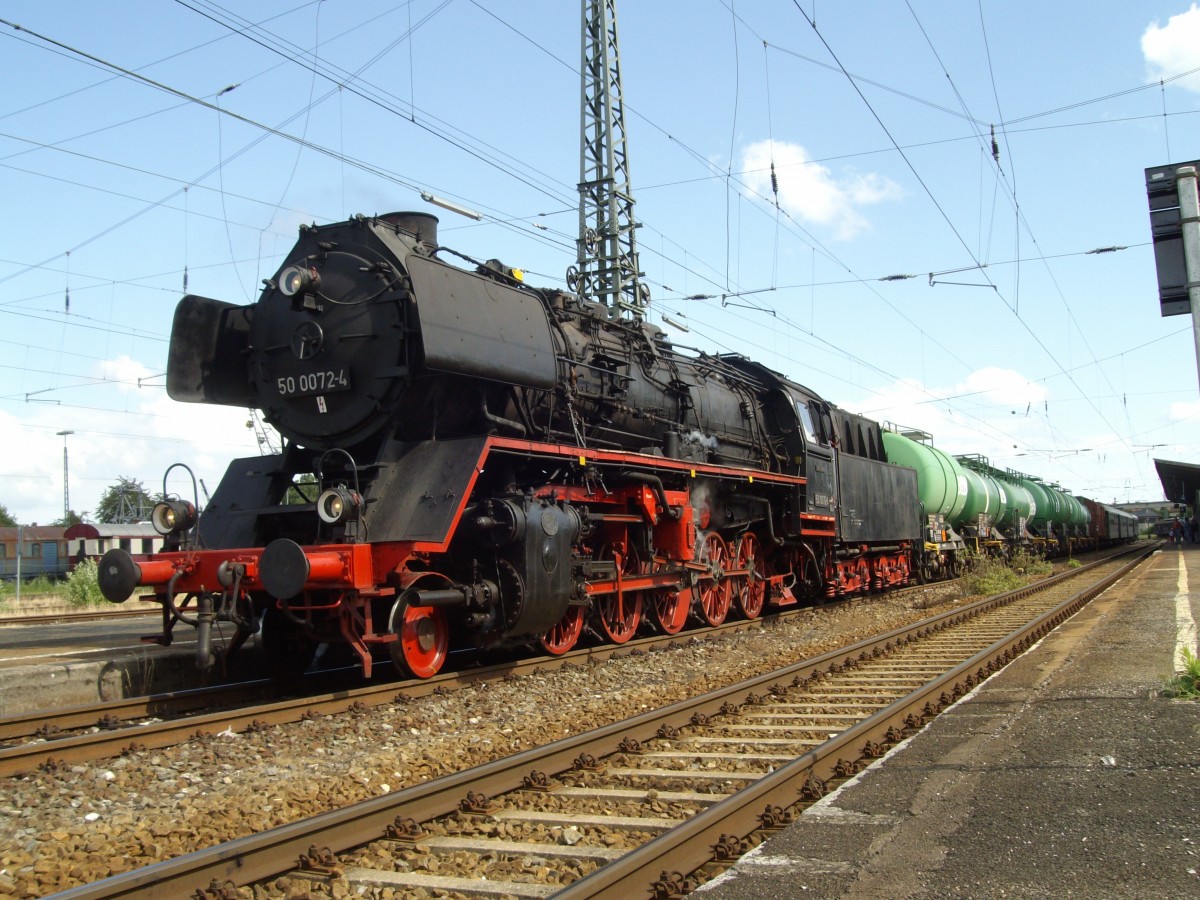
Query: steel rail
point(48, 724)
point(79, 748)
point(170, 703)
point(688, 847)
point(76, 616)
point(265, 855)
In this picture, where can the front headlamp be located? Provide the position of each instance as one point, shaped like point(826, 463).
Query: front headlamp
point(298, 280)
point(172, 516)
point(338, 504)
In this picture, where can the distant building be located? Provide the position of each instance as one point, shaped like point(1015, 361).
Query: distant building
point(87, 539)
point(43, 551)
point(1150, 514)
point(53, 551)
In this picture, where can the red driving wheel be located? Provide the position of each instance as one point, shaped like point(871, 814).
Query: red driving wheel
point(669, 610)
point(752, 587)
point(715, 591)
point(618, 614)
point(563, 636)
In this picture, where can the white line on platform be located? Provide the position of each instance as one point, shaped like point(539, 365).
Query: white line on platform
point(1185, 625)
point(88, 651)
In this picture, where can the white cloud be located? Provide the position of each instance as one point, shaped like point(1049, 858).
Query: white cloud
point(1003, 386)
point(1185, 411)
point(1174, 48)
point(125, 371)
point(985, 414)
point(810, 191)
point(118, 429)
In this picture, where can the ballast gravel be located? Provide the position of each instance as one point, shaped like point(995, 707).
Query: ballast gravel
point(81, 823)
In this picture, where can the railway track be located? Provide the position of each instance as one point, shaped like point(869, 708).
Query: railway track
point(148, 720)
point(98, 731)
point(659, 801)
point(94, 615)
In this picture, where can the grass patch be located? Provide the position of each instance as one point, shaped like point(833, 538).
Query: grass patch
point(79, 589)
point(40, 584)
point(989, 575)
point(1030, 566)
point(82, 588)
point(1186, 685)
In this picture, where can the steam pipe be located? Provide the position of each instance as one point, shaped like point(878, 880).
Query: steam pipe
point(500, 420)
point(655, 484)
point(777, 541)
point(204, 654)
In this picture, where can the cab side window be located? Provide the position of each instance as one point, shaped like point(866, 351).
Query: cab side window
point(806, 422)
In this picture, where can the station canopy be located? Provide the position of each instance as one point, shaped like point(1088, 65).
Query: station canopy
point(1180, 481)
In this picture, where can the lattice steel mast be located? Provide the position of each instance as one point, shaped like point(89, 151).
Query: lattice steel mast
point(606, 260)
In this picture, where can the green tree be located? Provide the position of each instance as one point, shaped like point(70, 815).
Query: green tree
point(72, 518)
point(6, 519)
point(124, 502)
point(303, 489)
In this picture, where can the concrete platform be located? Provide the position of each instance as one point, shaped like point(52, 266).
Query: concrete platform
point(1067, 774)
point(72, 664)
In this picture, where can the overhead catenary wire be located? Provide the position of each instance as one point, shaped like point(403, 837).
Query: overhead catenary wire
point(912, 168)
point(694, 258)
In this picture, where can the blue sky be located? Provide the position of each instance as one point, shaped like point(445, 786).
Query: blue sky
point(122, 164)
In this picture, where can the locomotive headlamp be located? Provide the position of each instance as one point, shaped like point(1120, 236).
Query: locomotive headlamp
point(338, 504)
point(172, 516)
point(298, 280)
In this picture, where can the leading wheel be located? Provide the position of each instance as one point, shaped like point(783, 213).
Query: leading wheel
point(715, 592)
point(752, 587)
point(422, 638)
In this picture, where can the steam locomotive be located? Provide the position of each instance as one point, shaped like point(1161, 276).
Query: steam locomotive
point(472, 462)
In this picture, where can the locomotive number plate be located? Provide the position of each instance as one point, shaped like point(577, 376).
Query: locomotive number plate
point(325, 381)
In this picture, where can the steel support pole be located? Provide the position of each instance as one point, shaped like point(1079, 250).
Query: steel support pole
point(66, 480)
point(1189, 217)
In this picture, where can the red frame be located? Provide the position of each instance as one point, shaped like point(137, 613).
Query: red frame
point(345, 577)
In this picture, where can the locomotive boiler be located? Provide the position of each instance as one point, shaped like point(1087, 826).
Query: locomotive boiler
point(473, 462)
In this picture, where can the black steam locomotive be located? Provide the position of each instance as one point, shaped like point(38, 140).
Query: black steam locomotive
point(473, 462)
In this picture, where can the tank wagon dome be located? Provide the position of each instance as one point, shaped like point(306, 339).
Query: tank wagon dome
point(1077, 513)
point(993, 495)
point(941, 485)
point(1054, 507)
point(985, 498)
